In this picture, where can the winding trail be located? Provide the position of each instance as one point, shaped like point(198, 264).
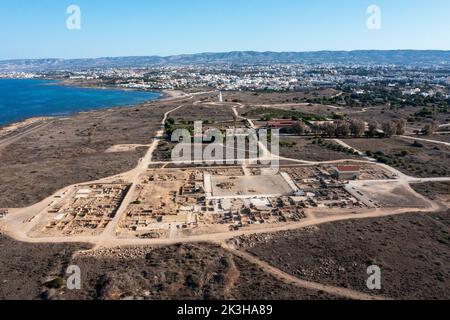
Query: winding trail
point(293, 280)
point(426, 140)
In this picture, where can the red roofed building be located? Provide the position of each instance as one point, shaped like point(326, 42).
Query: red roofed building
point(280, 124)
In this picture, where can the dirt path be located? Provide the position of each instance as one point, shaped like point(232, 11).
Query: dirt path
point(17, 229)
point(343, 144)
point(287, 278)
point(426, 140)
point(249, 121)
point(110, 230)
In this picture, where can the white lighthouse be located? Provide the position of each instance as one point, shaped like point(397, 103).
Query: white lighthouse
point(220, 97)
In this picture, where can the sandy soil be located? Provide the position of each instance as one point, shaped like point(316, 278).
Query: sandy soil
point(124, 148)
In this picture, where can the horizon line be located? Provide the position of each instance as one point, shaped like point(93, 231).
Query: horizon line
point(232, 51)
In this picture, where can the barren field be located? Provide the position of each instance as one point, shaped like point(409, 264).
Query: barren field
point(246, 185)
point(72, 150)
point(276, 97)
point(412, 250)
point(197, 271)
point(303, 149)
point(200, 271)
point(164, 152)
point(380, 113)
point(419, 160)
point(434, 190)
point(391, 194)
point(383, 114)
point(26, 268)
point(205, 113)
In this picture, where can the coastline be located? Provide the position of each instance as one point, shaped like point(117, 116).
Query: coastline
point(165, 94)
point(10, 127)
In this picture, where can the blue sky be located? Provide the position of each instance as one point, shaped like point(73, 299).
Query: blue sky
point(37, 29)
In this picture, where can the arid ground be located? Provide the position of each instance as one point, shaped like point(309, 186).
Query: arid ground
point(412, 250)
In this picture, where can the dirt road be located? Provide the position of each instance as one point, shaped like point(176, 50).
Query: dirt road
point(283, 276)
point(426, 140)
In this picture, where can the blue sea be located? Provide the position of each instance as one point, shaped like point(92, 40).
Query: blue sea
point(22, 98)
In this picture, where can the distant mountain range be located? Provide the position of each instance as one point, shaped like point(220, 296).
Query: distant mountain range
point(369, 57)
